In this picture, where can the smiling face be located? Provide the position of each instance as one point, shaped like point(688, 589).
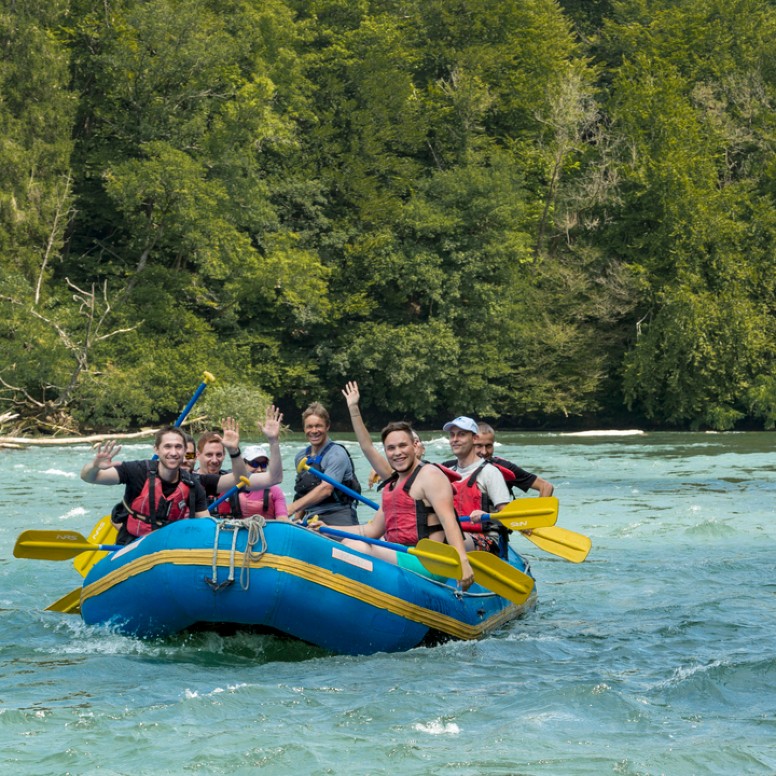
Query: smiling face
point(211, 457)
point(401, 451)
point(483, 444)
point(170, 450)
point(461, 442)
point(316, 430)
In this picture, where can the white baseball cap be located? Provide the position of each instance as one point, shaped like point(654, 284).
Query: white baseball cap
point(252, 452)
point(462, 422)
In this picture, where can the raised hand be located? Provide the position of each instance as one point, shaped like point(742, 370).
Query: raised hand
point(351, 394)
point(231, 435)
point(272, 421)
point(103, 458)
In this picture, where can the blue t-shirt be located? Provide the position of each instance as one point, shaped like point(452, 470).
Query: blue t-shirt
point(336, 464)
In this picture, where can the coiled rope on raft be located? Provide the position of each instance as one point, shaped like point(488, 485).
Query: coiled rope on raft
point(255, 527)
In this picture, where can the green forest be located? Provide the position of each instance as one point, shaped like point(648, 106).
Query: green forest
point(544, 214)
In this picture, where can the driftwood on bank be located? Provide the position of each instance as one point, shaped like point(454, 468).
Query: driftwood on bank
point(16, 442)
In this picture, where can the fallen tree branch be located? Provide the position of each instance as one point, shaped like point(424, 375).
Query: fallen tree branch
point(31, 441)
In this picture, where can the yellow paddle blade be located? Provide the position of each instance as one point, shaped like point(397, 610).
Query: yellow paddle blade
point(50, 545)
point(497, 575)
point(438, 558)
point(102, 533)
point(68, 604)
point(524, 514)
point(561, 542)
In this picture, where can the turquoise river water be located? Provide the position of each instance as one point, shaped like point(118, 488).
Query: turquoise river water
point(655, 656)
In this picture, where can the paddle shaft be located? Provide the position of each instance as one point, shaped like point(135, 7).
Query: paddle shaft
point(207, 378)
point(365, 539)
point(239, 487)
point(337, 484)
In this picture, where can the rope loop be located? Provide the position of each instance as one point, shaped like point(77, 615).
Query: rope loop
point(255, 527)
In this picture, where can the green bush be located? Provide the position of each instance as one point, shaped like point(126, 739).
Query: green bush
point(246, 403)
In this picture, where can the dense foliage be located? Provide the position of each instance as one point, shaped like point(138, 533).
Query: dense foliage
point(539, 211)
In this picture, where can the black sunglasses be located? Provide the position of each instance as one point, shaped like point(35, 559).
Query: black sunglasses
point(257, 463)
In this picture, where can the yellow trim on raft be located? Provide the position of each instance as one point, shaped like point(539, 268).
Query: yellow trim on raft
point(311, 573)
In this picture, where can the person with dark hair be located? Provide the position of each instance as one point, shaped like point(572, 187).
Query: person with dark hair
point(156, 492)
point(417, 504)
point(381, 469)
point(514, 476)
point(189, 461)
point(312, 495)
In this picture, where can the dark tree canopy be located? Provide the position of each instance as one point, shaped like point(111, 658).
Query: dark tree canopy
point(540, 212)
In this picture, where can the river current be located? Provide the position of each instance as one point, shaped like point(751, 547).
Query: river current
point(657, 655)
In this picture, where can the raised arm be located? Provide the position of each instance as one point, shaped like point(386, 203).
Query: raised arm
point(377, 461)
point(101, 470)
point(231, 440)
point(271, 430)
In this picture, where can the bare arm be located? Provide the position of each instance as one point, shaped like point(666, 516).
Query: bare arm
point(231, 440)
point(315, 496)
point(271, 430)
point(377, 461)
point(437, 491)
point(545, 488)
point(101, 470)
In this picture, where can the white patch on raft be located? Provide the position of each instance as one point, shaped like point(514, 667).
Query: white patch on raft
point(353, 560)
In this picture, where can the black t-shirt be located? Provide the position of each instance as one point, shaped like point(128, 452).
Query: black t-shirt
point(209, 483)
point(133, 474)
point(521, 478)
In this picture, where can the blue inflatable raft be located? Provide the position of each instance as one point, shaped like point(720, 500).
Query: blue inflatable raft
point(286, 579)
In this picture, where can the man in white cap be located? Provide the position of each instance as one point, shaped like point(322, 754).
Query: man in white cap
point(481, 488)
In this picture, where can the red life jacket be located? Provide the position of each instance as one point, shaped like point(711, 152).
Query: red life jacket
point(467, 495)
point(508, 474)
point(257, 502)
point(406, 520)
point(449, 473)
point(151, 509)
point(229, 508)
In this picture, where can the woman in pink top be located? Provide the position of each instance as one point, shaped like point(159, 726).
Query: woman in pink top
point(270, 503)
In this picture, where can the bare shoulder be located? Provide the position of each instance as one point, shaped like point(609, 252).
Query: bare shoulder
point(432, 473)
point(429, 479)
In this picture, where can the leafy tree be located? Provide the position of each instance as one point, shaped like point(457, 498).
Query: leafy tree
point(684, 205)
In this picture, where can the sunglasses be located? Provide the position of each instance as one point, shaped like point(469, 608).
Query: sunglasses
point(258, 463)
point(191, 456)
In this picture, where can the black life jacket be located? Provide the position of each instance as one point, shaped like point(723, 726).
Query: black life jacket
point(307, 481)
